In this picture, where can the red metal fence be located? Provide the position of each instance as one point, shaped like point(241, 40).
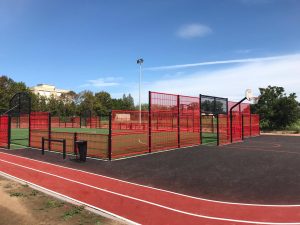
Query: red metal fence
point(4, 131)
point(255, 131)
point(235, 121)
point(176, 118)
point(40, 127)
point(68, 122)
point(94, 122)
point(189, 117)
point(129, 133)
point(246, 123)
point(223, 129)
point(173, 121)
point(164, 121)
point(22, 121)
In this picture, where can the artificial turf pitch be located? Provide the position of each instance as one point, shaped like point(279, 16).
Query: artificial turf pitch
point(20, 136)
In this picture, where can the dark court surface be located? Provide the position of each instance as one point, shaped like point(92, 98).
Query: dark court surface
point(263, 170)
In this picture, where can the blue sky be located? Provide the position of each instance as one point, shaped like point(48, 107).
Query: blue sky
point(94, 45)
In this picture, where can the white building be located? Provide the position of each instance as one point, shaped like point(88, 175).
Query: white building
point(48, 90)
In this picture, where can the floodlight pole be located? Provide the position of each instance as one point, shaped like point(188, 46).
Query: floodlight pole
point(140, 62)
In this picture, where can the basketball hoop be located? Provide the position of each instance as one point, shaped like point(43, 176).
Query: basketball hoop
point(248, 94)
point(254, 100)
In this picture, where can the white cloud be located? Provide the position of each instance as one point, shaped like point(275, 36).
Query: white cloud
point(193, 31)
point(232, 61)
point(103, 82)
point(233, 81)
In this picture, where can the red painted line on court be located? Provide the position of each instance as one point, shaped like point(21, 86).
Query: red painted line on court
point(141, 204)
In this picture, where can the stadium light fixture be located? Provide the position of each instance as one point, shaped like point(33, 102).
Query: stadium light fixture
point(140, 62)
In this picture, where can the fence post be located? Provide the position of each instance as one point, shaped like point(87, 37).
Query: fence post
point(218, 131)
point(29, 128)
point(49, 131)
point(150, 125)
point(8, 131)
point(258, 124)
point(200, 120)
point(64, 149)
point(110, 136)
point(242, 126)
point(43, 146)
point(75, 139)
point(100, 119)
point(193, 120)
point(178, 119)
point(212, 124)
point(231, 126)
point(250, 125)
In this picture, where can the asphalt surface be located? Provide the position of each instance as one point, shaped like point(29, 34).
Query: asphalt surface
point(263, 170)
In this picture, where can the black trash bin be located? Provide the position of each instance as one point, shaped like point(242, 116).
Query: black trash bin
point(82, 149)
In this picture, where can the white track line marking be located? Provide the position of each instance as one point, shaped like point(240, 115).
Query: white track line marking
point(68, 198)
point(154, 204)
point(153, 188)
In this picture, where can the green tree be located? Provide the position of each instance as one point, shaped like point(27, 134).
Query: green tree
point(8, 87)
point(128, 102)
point(69, 101)
point(103, 103)
point(68, 104)
point(207, 106)
point(116, 103)
point(86, 101)
point(144, 106)
point(277, 110)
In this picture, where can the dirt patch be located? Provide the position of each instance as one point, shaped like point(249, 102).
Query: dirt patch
point(281, 133)
point(20, 204)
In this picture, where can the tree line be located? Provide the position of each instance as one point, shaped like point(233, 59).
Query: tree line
point(277, 109)
point(69, 104)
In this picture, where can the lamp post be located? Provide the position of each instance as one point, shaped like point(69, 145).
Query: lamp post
point(140, 62)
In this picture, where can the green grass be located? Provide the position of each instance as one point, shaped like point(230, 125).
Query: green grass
point(19, 138)
point(209, 138)
point(54, 204)
point(16, 194)
point(82, 130)
point(23, 133)
point(295, 127)
point(72, 212)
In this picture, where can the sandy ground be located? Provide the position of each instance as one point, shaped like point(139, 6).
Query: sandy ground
point(280, 133)
point(20, 204)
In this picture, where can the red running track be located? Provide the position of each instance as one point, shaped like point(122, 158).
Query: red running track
point(142, 204)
